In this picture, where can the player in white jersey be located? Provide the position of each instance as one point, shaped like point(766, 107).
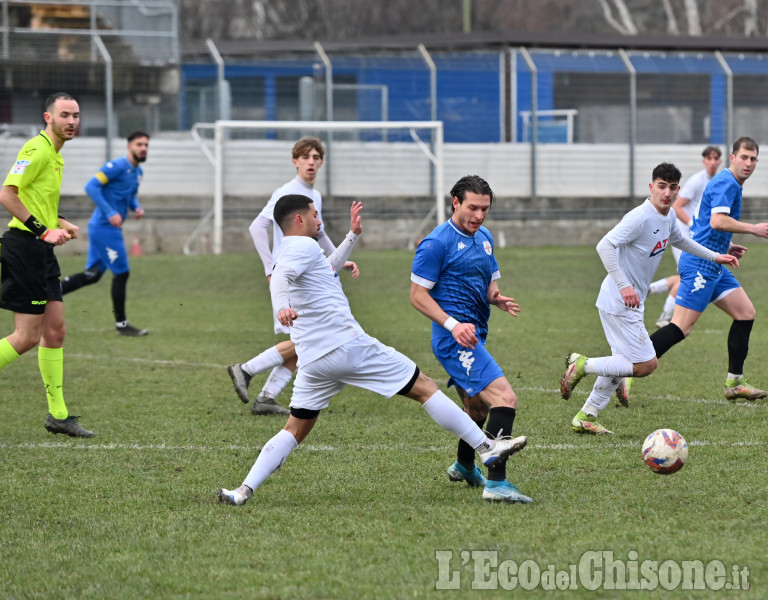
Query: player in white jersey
point(631, 253)
point(334, 351)
point(308, 154)
point(685, 208)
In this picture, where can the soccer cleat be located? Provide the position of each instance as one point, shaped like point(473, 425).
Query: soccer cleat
point(503, 491)
point(622, 392)
point(241, 380)
point(584, 423)
point(131, 331)
point(503, 448)
point(574, 371)
point(70, 426)
point(264, 405)
point(739, 388)
point(233, 497)
point(663, 320)
point(458, 472)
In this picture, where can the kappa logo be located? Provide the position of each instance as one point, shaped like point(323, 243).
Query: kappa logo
point(461, 246)
point(111, 254)
point(699, 282)
point(466, 359)
point(659, 248)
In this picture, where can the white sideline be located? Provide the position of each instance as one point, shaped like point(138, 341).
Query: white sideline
point(325, 448)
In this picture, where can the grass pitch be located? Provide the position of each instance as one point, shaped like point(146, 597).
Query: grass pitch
point(363, 508)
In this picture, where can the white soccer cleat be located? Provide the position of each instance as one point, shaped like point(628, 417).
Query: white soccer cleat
point(503, 448)
point(233, 497)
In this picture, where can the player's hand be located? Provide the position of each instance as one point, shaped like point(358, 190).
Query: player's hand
point(287, 316)
point(760, 230)
point(727, 259)
point(736, 250)
point(631, 299)
point(72, 229)
point(464, 334)
point(116, 221)
point(355, 225)
point(139, 212)
point(57, 237)
point(352, 267)
point(506, 304)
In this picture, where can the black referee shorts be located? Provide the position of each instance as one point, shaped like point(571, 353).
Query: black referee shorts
point(29, 276)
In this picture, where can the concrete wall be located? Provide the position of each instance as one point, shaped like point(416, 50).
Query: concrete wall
point(582, 189)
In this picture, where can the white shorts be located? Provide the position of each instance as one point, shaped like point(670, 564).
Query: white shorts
point(363, 362)
point(627, 336)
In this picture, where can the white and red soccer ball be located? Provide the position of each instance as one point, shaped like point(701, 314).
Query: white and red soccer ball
point(665, 451)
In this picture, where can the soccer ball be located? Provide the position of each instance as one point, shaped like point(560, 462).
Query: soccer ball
point(665, 451)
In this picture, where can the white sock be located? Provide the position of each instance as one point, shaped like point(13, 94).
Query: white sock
point(659, 287)
point(269, 359)
point(276, 382)
point(669, 305)
point(734, 376)
point(271, 458)
point(600, 396)
point(609, 366)
point(448, 415)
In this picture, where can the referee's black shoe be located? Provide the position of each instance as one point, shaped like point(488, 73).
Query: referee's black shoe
point(70, 426)
point(130, 330)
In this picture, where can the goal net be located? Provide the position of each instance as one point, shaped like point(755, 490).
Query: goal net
point(396, 165)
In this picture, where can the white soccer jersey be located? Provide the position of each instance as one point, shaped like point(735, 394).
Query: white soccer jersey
point(640, 239)
point(693, 189)
point(325, 320)
point(295, 186)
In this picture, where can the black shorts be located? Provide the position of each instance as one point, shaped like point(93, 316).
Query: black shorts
point(29, 275)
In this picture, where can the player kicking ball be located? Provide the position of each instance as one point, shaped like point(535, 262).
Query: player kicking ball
point(631, 253)
point(334, 351)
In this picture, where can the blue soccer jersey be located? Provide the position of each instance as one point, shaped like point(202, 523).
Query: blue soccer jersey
point(114, 190)
point(457, 268)
point(722, 195)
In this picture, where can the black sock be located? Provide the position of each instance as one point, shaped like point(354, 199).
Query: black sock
point(666, 337)
point(500, 419)
point(118, 296)
point(738, 345)
point(74, 282)
point(466, 453)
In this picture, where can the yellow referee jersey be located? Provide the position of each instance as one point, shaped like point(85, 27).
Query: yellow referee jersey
point(37, 174)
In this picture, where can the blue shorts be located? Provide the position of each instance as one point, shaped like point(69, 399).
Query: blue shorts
point(106, 249)
point(471, 370)
point(698, 289)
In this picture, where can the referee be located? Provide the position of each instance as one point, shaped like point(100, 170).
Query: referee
point(29, 279)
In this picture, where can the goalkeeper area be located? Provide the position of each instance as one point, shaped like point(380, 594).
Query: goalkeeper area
point(391, 161)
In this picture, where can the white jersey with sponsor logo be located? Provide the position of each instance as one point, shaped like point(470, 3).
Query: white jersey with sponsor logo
point(641, 238)
point(325, 320)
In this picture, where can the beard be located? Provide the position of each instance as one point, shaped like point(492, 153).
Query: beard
point(138, 157)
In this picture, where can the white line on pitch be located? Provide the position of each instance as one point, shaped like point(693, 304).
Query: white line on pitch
point(326, 448)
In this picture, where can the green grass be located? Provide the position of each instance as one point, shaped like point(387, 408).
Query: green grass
point(361, 508)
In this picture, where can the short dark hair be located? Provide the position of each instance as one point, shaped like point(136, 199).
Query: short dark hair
point(666, 172)
point(287, 206)
point(136, 134)
point(474, 184)
point(746, 142)
point(51, 100)
point(307, 143)
point(710, 149)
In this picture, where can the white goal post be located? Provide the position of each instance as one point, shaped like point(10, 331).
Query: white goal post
point(224, 130)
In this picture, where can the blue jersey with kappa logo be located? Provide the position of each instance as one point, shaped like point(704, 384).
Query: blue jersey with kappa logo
point(457, 268)
point(114, 190)
point(722, 195)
